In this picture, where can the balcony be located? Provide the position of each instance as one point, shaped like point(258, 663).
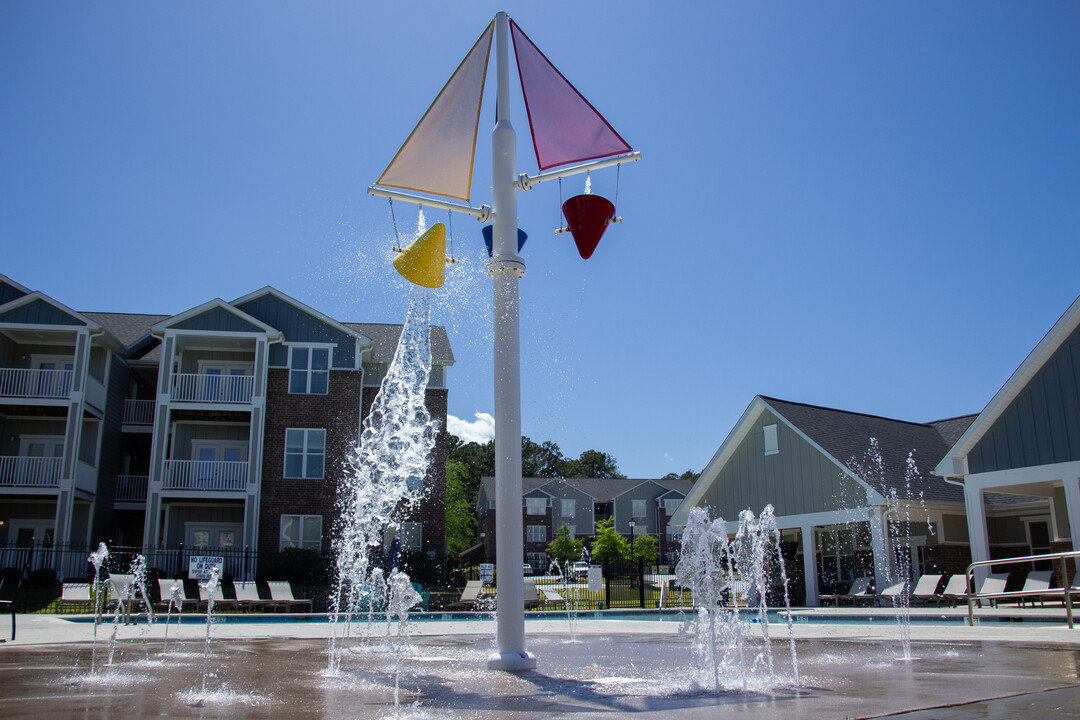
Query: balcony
point(138, 412)
point(201, 388)
point(35, 384)
point(220, 475)
point(131, 488)
point(22, 471)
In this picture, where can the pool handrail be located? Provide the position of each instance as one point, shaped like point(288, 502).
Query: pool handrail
point(1065, 591)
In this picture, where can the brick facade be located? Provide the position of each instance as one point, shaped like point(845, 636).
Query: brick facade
point(339, 413)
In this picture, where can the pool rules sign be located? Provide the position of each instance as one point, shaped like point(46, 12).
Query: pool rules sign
point(200, 566)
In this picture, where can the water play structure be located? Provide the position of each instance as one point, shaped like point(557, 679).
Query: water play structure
point(569, 137)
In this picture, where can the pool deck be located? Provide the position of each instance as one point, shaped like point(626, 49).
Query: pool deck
point(1044, 625)
point(1027, 666)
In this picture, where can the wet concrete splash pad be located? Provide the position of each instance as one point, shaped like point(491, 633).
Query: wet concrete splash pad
point(441, 676)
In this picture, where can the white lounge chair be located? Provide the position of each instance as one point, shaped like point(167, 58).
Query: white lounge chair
point(220, 601)
point(994, 584)
point(891, 592)
point(532, 597)
point(165, 586)
point(75, 594)
point(551, 597)
point(468, 596)
point(247, 595)
point(857, 590)
point(282, 595)
point(955, 590)
point(122, 593)
point(926, 589)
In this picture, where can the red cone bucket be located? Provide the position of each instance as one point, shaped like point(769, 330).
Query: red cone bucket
point(587, 217)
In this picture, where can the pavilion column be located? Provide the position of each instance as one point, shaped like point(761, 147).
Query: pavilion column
point(977, 530)
point(809, 546)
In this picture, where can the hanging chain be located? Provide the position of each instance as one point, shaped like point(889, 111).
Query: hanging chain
point(450, 228)
point(397, 237)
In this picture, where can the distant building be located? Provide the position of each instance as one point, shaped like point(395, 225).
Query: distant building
point(548, 503)
point(1004, 483)
point(223, 429)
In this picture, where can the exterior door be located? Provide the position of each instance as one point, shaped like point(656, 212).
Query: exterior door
point(50, 383)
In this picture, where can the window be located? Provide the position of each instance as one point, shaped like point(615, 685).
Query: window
point(309, 370)
point(536, 533)
point(305, 453)
point(537, 561)
point(671, 505)
point(572, 529)
point(412, 534)
point(535, 506)
point(637, 508)
point(567, 507)
point(772, 446)
point(301, 531)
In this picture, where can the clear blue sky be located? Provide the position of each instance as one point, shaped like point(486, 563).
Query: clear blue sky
point(869, 206)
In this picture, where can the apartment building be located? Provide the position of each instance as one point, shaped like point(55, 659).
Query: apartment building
point(224, 429)
point(638, 507)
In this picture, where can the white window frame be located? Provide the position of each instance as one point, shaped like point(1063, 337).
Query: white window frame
point(412, 535)
point(536, 530)
point(304, 455)
point(637, 504)
point(772, 439)
point(308, 371)
point(565, 503)
point(531, 504)
point(302, 521)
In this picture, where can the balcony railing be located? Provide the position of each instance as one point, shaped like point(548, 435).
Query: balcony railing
point(205, 475)
point(138, 412)
point(192, 387)
point(131, 488)
point(27, 383)
point(22, 471)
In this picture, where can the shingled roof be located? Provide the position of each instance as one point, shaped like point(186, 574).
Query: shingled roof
point(846, 437)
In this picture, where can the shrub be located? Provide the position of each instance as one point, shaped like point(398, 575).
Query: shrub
point(302, 566)
point(42, 576)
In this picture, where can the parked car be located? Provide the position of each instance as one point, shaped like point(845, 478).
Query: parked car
point(579, 570)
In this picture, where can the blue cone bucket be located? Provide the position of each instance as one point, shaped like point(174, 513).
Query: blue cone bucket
point(489, 242)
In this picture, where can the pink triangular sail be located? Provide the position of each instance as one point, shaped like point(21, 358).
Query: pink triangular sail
point(565, 127)
point(437, 157)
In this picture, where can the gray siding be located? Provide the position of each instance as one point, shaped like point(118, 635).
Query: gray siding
point(300, 327)
point(216, 319)
point(1042, 424)
point(39, 312)
point(583, 508)
point(9, 293)
point(648, 492)
point(797, 480)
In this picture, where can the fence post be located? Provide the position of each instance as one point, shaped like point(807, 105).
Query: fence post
point(607, 583)
point(641, 579)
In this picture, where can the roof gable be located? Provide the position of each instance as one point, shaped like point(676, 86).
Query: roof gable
point(10, 290)
point(1059, 345)
point(298, 322)
point(214, 316)
point(36, 308)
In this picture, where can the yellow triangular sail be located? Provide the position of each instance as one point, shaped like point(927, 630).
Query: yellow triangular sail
point(437, 157)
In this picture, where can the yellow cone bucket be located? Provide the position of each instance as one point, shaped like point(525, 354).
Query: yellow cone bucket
point(422, 263)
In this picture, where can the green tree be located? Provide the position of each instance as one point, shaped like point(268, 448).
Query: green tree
point(645, 547)
point(688, 475)
point(592, 464)
point(541, 460)
point(564, 548)
point(460, 514)
point(608, 544)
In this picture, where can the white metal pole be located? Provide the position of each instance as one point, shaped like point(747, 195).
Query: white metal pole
point(505, 268)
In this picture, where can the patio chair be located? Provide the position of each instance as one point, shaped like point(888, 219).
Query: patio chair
point(955, 590)
point(247, 595)
point(122, 595)
point(468, 596)
point(532, 597)
point(220, 601)
point(891, 593)
point(994, 584)
point(425, 596)
point(1035, 581)
point(282, 595)
point(859, 589)
point(165, 587)
point(77, 594)
point(926, 589)
point(552, 597)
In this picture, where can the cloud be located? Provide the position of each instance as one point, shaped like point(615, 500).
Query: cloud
point(479, 431)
